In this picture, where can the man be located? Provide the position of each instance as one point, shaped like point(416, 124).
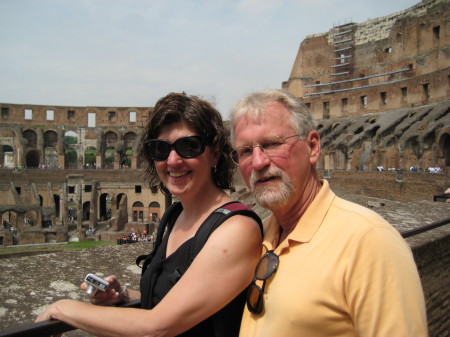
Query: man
point(337, 268)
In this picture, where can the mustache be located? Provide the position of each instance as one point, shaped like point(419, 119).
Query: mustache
point(265, 173)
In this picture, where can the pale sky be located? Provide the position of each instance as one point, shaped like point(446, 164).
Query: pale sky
point(132, 52)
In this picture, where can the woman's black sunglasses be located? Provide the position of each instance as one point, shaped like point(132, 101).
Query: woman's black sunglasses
point(185, 147)
point(265, 268)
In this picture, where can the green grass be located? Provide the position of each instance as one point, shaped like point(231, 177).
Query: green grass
point(50, 248)
point(88, 244)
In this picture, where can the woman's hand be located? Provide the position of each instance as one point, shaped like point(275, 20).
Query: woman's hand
point(48, 314)
point(111, 296)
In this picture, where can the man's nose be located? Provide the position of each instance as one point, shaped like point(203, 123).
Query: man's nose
point(259, 159)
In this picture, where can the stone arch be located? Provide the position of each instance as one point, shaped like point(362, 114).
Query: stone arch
point(391, 158)
point(9, 219)
point(129, 138)
point(50, 138)
point(138, 211)
point(89, 156)
point(111, 139)
point(30, 137)
point(104, 209)
point(50, 237)
point(411, 153)
point(154, 211)
point(109, 152)
point(109, 157)
point(31, 217)
point(86, 211)
point(32, 159)
point(7, 151)
point(7, 157)
point(443, 141)
point(57, 200)
point(70, 154)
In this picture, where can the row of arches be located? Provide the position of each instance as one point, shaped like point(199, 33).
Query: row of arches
point(41, 215)
point(34, 217)
point(35, 148)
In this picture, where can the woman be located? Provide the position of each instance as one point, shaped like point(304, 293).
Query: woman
point(187, 150)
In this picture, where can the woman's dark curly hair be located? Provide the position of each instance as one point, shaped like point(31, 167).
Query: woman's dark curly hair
point(201, 117)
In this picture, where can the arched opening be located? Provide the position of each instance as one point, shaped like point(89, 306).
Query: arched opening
point(89, 157)
point(445, 146)
point(8, 157)
point(32, 159)
point(50, 139)
point(154, 211)
point(111, 139)
point(86, 210)
point(105, 206)
point(9, 220)
point(129, 140)
point(57, 201)
point(70, 153)
point(50, 237)
point(126, 161)
point(31, 138)
point(110, 156)
point(31, 218)
point(138, 211)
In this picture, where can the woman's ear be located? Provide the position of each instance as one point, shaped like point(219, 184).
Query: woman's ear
point(215, 156)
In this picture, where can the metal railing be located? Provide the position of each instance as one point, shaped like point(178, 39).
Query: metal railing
point(425, 228)
point(53, 327)
point(50, 327)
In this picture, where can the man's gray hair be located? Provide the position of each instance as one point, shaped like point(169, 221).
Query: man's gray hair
point(252, 107)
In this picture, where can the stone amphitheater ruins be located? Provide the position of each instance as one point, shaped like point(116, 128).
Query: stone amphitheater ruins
point(379, 90)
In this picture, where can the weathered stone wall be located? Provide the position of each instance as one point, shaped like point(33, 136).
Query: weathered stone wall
point(45, 195)
point(400, 60)
point(414, 186)
point(73, 116)
point(399, 139)
point(432, 256)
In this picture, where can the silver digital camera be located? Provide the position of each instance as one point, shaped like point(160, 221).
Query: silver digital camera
point(95, 283)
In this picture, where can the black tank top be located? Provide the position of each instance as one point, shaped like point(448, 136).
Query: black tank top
point(163, 273)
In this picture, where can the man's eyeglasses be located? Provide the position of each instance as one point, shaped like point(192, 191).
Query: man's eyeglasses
point(265, 268)
point(272, 147)
point(185, 147)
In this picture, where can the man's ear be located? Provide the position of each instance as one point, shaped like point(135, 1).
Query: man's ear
point(314, 144)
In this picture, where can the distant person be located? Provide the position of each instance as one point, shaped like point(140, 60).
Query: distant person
point(187, 150)
point(330, 267)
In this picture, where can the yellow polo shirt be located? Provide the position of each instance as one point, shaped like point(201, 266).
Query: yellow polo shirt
point(344, 271)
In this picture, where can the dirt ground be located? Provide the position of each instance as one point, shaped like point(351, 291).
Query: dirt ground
point(31, 283)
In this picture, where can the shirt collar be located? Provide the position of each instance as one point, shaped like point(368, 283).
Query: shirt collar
point(308, 224)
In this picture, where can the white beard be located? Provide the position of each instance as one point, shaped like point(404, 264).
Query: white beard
point(277, 194)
